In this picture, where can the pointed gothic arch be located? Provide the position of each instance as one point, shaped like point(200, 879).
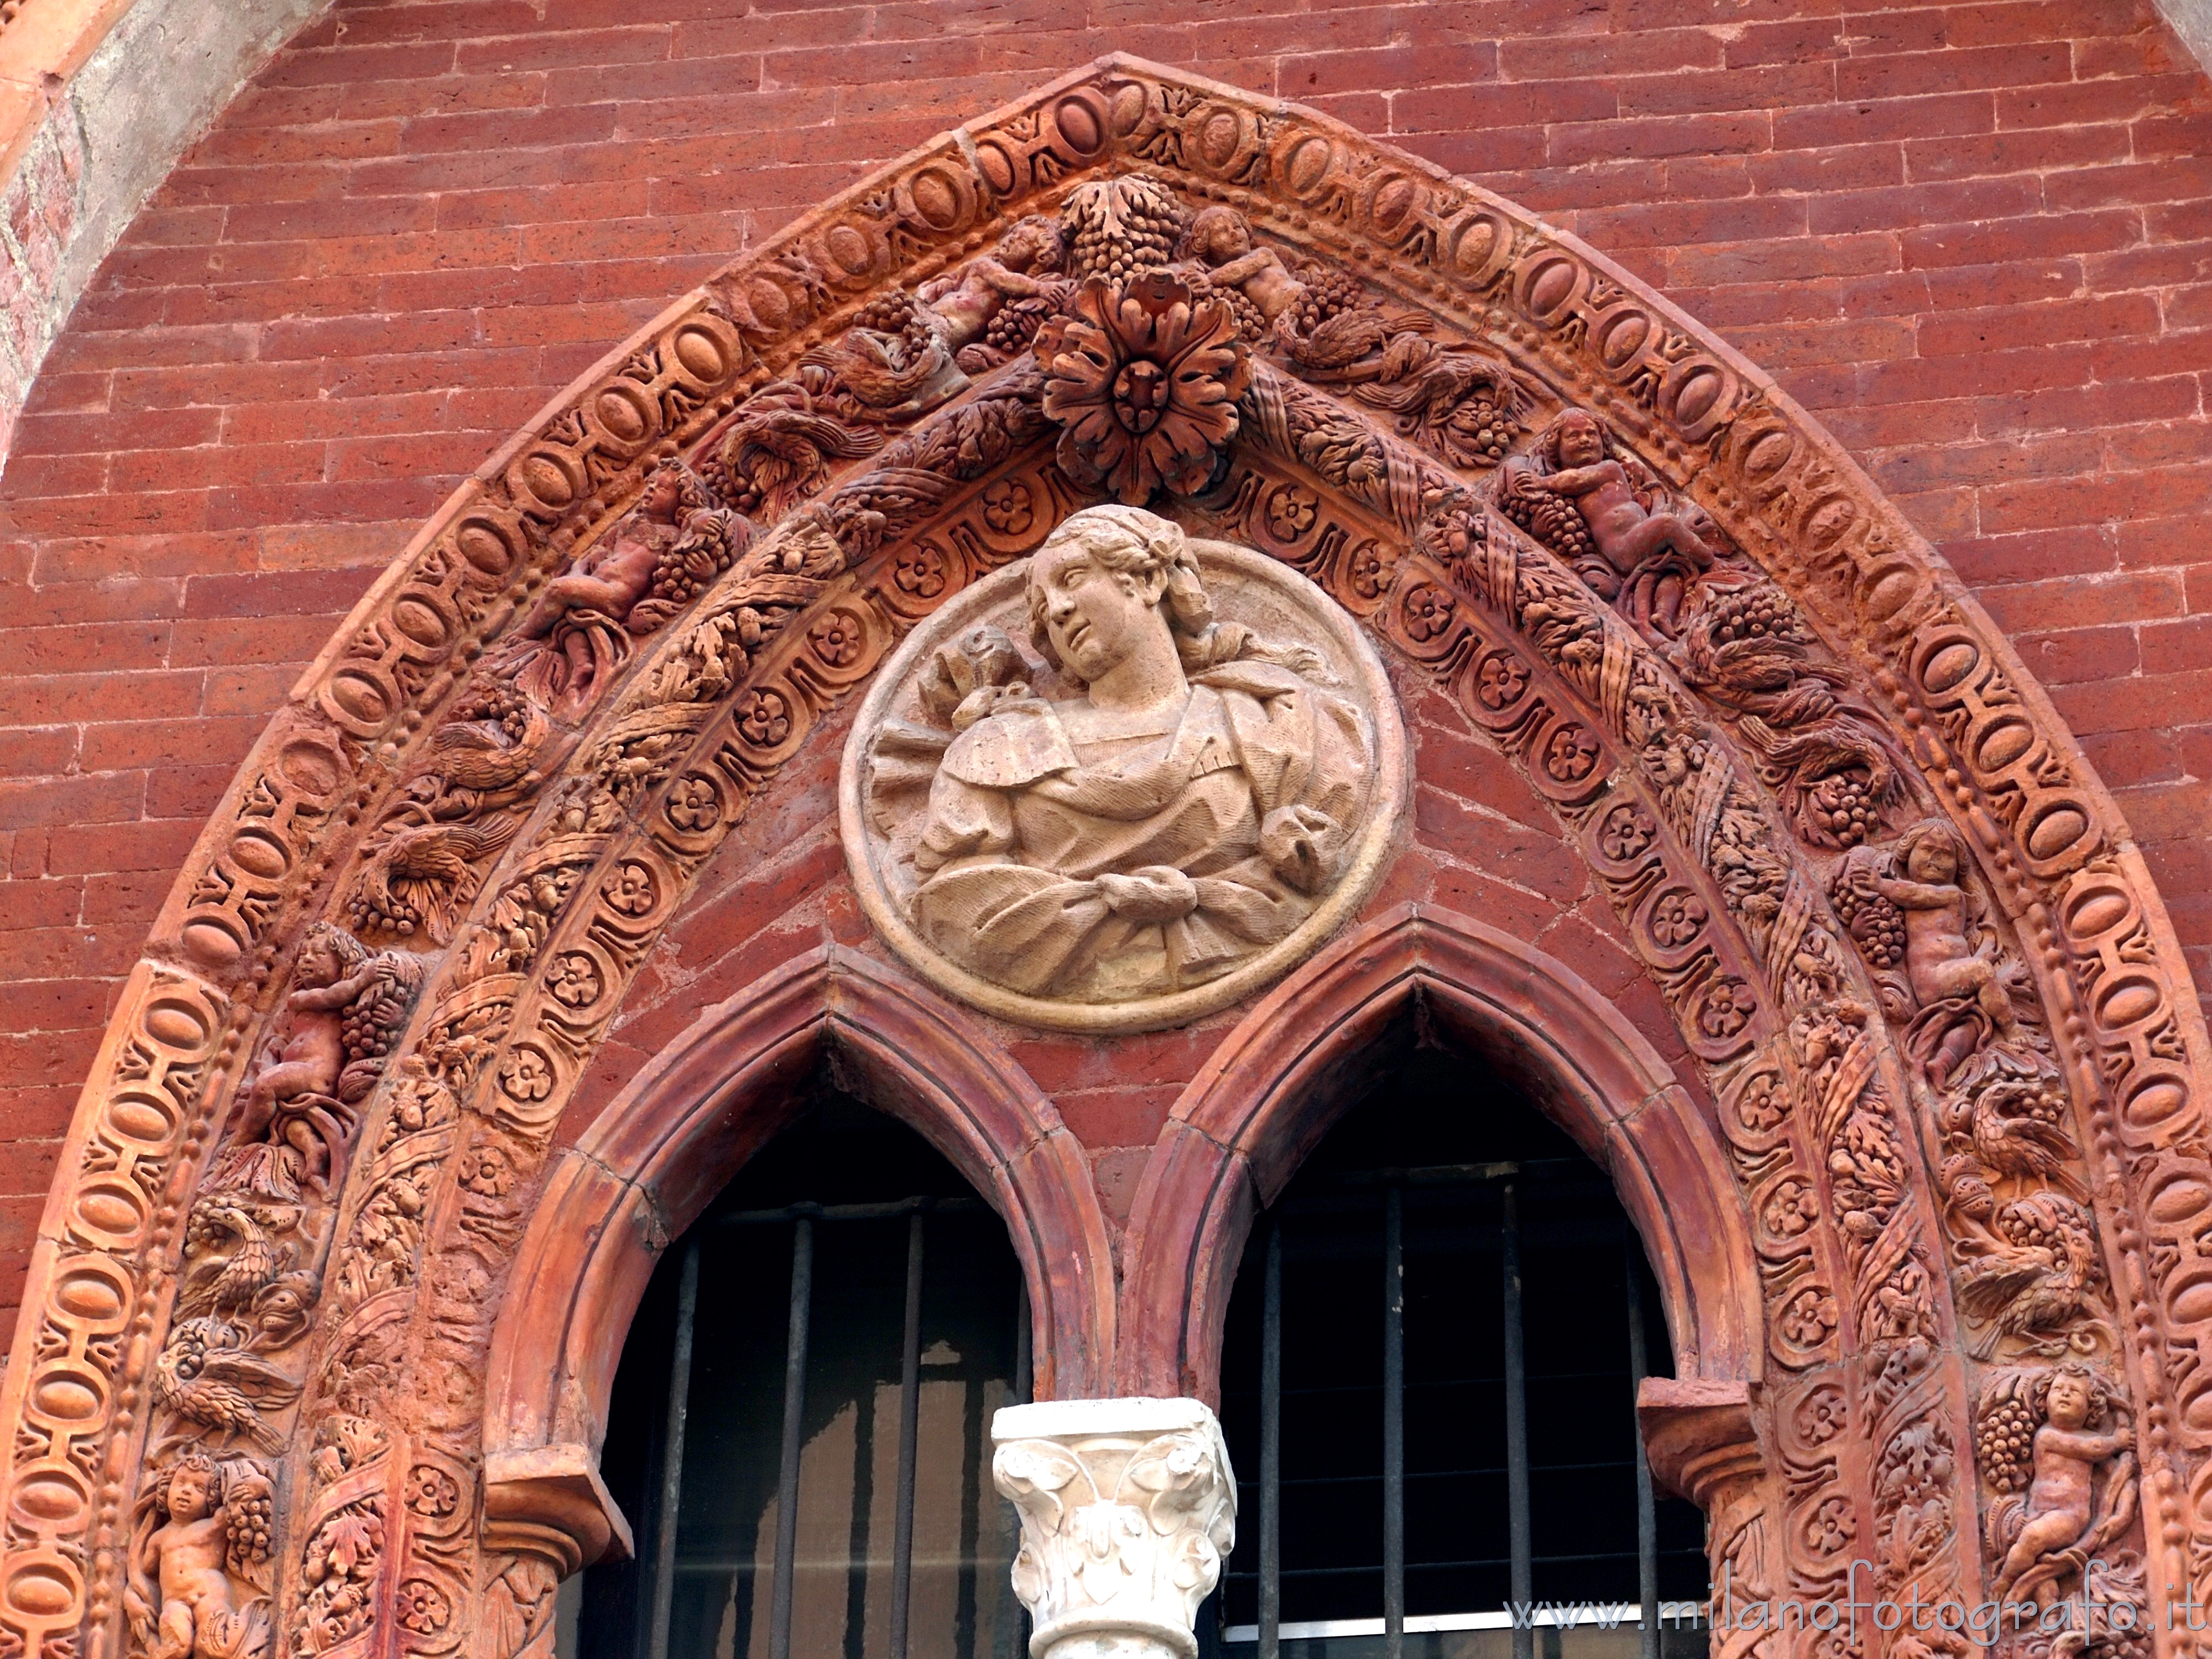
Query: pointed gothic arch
point(1279, 1081)
point(676, 1133)
point(485, 857)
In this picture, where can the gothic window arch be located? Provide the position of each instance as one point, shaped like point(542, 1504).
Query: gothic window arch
point(827, 1342)
point(1475, 1445)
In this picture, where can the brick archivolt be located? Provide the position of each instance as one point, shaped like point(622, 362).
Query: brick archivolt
point(1959, 1071)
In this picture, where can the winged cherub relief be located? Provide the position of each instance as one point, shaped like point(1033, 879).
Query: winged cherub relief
point(2064, 1436)
point(655, 560)
point(1169, 793)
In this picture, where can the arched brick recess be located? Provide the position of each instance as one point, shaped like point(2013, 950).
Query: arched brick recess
point(1275, 1084)
point(1694, 813)
point(709, 1100)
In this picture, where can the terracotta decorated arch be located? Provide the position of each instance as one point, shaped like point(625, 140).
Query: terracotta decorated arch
point(1311, 1047)
point(1928, 1011)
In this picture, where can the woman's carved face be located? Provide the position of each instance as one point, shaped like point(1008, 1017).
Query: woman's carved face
point(1093, 615)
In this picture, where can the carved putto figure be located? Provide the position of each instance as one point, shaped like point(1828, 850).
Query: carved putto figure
point(1220, 241)
point(199, 1561)
point(1956, 987)
point(1187, 807)
point(654, 561)
point(2078, 1466)
point(980, 308)
point(1635, 550)
point(1939, 960)
point(294, 1117)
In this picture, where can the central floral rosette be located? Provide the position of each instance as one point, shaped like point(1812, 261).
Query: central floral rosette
point(1144, 378)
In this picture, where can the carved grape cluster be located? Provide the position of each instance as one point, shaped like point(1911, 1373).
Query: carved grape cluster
point(1121, 226)
point(1759, 611)
point(495, 705)
point(1844, 806)
point(1553, 521)
point(1250, 323)
point(672, 577)
point(2037, 1102)
point(1484, 432)
point(1329, 292)
point(397, 917)
point(2004, 1442)
point(1015, 324)
point(249, 1520)
point(188, 1349)
point(206, 1229)
point(897, 313)
point(1875, 924)
point(371, 1022)
point(2033, 1227)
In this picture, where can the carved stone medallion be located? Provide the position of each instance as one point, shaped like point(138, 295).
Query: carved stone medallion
point(1124, 782)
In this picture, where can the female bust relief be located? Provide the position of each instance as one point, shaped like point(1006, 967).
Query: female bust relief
point(1189, 808)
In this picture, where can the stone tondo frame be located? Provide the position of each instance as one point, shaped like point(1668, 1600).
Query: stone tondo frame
point(1938, 1135)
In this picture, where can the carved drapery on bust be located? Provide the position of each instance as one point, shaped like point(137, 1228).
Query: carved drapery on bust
point(1184, 789)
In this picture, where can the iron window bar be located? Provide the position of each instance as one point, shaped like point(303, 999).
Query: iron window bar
point(802, 1218)
point(1269, 1632)
point(1517, 1421)
point(794, 1412)
point(1647, 1508)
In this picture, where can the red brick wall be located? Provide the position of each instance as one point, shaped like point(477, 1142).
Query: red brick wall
point(1977, 240)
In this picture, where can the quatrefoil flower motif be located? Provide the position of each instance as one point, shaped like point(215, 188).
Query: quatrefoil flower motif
point(526, 1075)
point(1676, 918)
point(764, 719)
point(631, 891)
point(692, 805)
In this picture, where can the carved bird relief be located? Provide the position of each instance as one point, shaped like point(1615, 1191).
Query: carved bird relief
point(2012, 1130)
point(2043, 1283)
point(205, 1376)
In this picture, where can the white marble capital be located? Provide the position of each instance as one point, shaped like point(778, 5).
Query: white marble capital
point(1127, 1510)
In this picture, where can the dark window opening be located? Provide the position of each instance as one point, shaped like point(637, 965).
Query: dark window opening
point(811, 1249)
point(1451, 1160)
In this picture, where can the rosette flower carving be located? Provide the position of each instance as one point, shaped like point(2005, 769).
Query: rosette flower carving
point(1143, 377)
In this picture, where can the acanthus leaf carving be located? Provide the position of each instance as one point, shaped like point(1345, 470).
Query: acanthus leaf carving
point(1128, 1510)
